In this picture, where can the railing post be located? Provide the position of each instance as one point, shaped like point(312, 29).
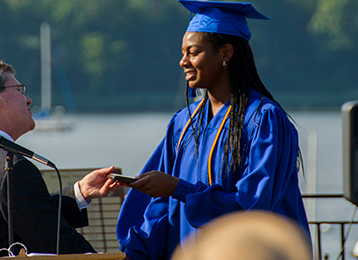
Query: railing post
point(342, 240)
point(319, 249)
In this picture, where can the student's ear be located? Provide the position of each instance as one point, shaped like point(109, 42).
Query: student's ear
point(227, 52)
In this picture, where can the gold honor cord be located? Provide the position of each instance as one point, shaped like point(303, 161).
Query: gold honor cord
point(214, 144)
point(187, 123)
point(215, 140)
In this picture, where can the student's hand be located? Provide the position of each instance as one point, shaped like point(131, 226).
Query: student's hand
point(97, 185)
point(156, 184)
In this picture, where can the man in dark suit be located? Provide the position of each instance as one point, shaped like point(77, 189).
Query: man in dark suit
point(35, 210)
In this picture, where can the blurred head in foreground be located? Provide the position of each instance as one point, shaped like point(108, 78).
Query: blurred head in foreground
point(255, 235)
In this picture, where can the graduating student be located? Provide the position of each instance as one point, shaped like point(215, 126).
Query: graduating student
point(235, 150)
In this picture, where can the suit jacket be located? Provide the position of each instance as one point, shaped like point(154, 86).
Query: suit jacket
point(35, 212)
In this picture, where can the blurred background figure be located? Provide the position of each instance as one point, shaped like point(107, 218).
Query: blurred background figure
point(255, 235)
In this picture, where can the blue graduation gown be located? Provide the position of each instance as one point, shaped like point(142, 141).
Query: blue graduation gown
point(150, 228)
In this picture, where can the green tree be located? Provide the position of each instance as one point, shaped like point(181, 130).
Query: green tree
point(123, 55)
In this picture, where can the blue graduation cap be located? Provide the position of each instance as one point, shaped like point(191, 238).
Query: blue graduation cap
point(221, 17)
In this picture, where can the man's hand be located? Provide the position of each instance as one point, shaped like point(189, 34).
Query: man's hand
point(155, 184)
point(97, 185)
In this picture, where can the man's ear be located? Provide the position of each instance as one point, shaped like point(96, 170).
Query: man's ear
point(227, 52)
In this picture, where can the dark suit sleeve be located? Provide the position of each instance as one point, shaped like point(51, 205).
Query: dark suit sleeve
point(35, 213)
point(73, 215)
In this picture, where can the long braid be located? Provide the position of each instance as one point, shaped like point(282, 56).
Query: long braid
point(239, 99)
point(244, 75)
point(198, 125)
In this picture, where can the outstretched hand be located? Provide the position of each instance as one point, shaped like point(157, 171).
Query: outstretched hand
point(97, 185)
point(155, 184)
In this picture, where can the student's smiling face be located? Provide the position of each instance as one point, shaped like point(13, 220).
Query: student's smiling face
point(202, 65)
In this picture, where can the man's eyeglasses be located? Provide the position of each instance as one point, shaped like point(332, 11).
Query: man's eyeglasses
point(23, 88)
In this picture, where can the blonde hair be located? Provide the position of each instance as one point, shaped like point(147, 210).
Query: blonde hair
point(251, 235)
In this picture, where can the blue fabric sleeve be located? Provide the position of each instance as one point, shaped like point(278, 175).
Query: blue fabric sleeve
point(271, 158)
point(148, 240)
point(143, 235)
point(130, 233)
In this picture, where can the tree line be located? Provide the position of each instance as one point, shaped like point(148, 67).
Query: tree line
point(122, 56)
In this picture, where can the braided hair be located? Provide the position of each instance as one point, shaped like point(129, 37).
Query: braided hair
point(243, 76)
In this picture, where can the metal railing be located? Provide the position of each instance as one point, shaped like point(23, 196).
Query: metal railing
point(318, 225)
point(103, 215)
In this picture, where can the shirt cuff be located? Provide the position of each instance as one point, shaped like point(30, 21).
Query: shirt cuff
point(81, 201)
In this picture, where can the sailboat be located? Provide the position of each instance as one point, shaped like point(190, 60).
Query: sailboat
point(49, 118)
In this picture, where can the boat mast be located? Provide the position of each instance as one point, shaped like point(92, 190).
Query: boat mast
point(45, 68)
